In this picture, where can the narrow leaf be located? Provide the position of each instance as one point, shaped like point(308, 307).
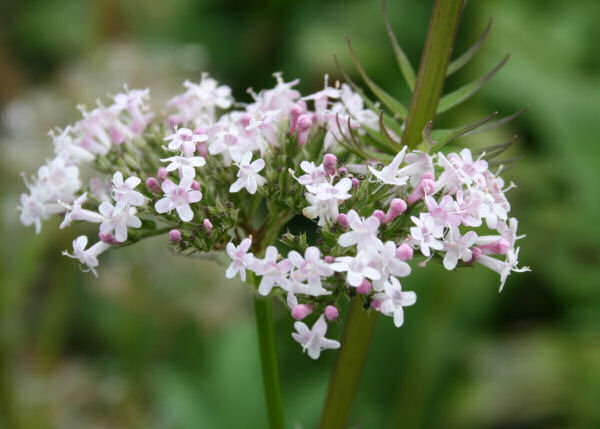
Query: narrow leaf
point(507, 162)
point(385, 132)
point(495, 150)
point(405, 67)
point(497, 123)
point(389, 121)
point(459, 62)
point(427, 136)
point(443, 137)
point(454, 98)
point(396, 106)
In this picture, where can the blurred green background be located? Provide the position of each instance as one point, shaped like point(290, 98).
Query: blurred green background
point(164, 342)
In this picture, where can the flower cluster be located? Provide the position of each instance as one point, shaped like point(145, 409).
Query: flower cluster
point(215, 177)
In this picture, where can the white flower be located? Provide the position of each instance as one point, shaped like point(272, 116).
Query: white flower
point(35, 208)
point(178, 197)
point(315, 175)
point(123, 193)
point(185, 140)
point(273, 273)
point(393, 300)
point(248, 176)
point(325, 199)
point(388, 264)
point(310, 269)
point(240, 259)
point(458, 247)
point(504, 268)
point(425, 234)
point(390, 173)
point(185, 165)
point(118, 220)
point(313, 340)
point(363, 234)
point(88, 257)
point(357, 268)
point(76, 212)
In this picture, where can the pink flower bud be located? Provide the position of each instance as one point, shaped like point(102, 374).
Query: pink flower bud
point(300, 311)
point(329, 259)
point(202, 149)
point(475, 254)
point(208, 226)
point(355, 182)
point(397, 207)
point(175, 236)
point(428, 176)
point(329, 164)
point(343, 171)
point(304, 124)
point(342, 221)
point(295, 112)
point(173, 120)
point(331, 312)
point(379, 214)
point(162, 174)
point(152, 185)
point(426, 186)
point(196, 185)
point(364, 288)
point(375, 305)
point(404, 252)
point(108, 238)
point(499, 247)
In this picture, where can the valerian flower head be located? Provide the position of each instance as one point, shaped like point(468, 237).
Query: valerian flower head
point(236, 178)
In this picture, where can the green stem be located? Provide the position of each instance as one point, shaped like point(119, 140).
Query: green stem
point(348, 366)
point(432, 70)
point(263, 312)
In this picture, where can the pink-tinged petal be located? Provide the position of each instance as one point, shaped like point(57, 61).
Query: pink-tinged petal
point(168, 186)
point(330, 344)
point(295, 258)
point(450, 260)
point(163, 205)
point(118, 178)
point(285, 265)
point(257, 165)
point(105, 227)
point(354, 220)
point(372, 223)
point(399, 317)
point(312, 254)
point(186, 182)
point(80, 243)
point(121, 233)
point(372, 273)
point(193, 196)
point(132, 182)
point(347, 239)
point(251, 185)
point(265, 286)
point(134, 222)
point(236, 186)
point(271, 254)
point(185, 212)
point(136, 199)
point(106, 209)
point(408, 298)
point(245, 245)
point(344, 185)
point(230, 249)
point(354, 279)
point(231, 271)
point(320, 327)
point(339, 266)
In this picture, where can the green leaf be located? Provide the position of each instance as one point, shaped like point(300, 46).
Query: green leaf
point(443, 137)
point(497, 123)
point(458, 63)
point(405, 67)
point(396, 106)
point(454, 98)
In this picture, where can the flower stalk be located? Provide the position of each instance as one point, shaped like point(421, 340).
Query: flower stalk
point(360, 325)
point(432, 70)
point(348, 366)
point(263, 313)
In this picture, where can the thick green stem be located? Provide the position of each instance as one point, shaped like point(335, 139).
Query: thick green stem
point(263, 312)
point(348, 366)
point(432, 70)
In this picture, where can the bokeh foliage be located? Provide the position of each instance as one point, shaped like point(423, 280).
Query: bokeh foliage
point(166, 342)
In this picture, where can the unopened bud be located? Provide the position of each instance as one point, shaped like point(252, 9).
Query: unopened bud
point(397, 207)
point(175, 236)
point(331, 312)
point(329, 164)
point(404, 252)
point(364, 288)
point(300, 311)
point(152, 185)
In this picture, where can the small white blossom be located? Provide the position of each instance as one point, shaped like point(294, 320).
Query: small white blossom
point(393, 300)
point(363, 234)
point(313, 340)
point(248, 176)
point(118, 220)
point(88, 257)
point(186, 166)
point(389, 174)
point(123, 193)
point(178, 197)
point(240, 259)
